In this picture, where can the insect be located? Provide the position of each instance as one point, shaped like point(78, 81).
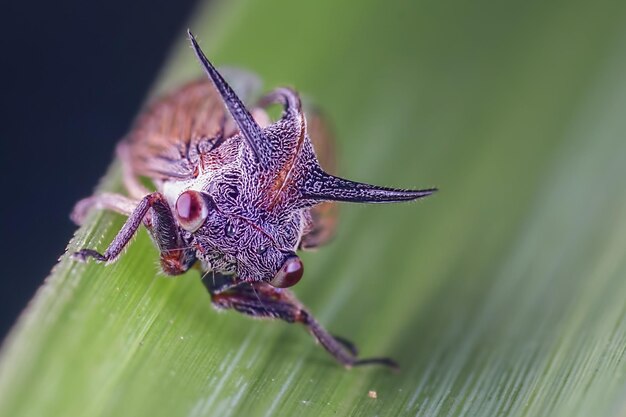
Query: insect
point(237, 195)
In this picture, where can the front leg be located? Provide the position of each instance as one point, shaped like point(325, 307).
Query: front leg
point(261, 300)
point(176, 256)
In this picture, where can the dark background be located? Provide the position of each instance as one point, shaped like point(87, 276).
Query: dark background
point(74, 75)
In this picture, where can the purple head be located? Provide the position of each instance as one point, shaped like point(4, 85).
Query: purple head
point(247, 210)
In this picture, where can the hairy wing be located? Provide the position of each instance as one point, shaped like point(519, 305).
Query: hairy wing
point(170, 134)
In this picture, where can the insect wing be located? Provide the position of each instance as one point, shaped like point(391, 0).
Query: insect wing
point(324, 215)
point(174, 129)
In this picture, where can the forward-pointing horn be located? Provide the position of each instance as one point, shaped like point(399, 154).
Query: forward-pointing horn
point(251, 131)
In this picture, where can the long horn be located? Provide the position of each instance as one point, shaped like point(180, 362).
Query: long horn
point(321, 186)
point(250, 130)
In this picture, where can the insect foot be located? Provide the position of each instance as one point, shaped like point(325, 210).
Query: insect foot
point(84, 254)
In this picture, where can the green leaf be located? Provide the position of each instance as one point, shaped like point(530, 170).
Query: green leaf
point(501, 295)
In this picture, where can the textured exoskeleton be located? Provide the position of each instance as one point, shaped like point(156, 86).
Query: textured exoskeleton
point(237, 194)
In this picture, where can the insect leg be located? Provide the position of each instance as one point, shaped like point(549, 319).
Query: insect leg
point(109, 201)
point(176, 258)
point(261, 300)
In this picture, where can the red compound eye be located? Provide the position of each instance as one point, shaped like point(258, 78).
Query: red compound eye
point(191, 210)
point(289, 274)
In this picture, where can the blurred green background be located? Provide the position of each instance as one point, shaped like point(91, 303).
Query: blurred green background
point(501, 295)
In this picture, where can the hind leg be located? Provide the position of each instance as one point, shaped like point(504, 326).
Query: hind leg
point(107, 201)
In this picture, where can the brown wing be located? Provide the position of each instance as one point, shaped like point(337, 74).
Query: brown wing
point(168, 136)
point(324, 215)
point(165, 137)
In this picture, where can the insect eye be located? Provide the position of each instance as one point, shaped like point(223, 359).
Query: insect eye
point(191, 210)
point(289, 274)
